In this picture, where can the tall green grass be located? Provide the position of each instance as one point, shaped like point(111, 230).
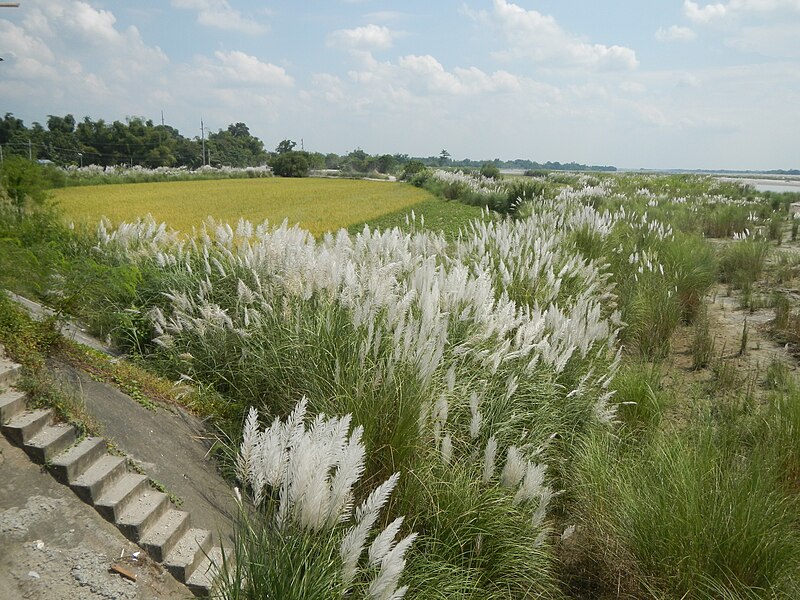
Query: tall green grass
point(741, 263)
point(690, 516)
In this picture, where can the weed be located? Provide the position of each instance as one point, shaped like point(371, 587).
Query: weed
point(702, 347)
point(639, 396)
point(742, 262)
point(775, 228)
point(688, 514)
point(743, 340)
point(778, 376)
point(160, 487)
point(786, 267)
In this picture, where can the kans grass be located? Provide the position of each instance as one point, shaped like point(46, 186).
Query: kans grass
point(477, 376)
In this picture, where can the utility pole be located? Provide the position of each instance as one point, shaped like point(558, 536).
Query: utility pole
point(162, 118)
point(30, 150)
point(301, 145)
point(203, 141)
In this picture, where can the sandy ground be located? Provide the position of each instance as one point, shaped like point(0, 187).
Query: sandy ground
point(54, 546)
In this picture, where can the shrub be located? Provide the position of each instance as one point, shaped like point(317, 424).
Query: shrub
point(490, 171)
point(652, 315)
point(411, 168)
point(290, 164)
point(775, 228)
point(22, 182)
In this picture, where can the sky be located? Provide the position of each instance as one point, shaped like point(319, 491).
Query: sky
point(663, 84)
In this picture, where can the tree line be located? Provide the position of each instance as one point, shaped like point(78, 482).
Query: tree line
point(136, 141)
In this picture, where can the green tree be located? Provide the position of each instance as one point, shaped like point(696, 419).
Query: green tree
point(9, 126)
point(411, 168)
point(290, 164)
point(385, 163)
point(358, 161)
point(236, 147)
point(444, 158)
point(490, 170)
point(21, 180)
point(285, 146)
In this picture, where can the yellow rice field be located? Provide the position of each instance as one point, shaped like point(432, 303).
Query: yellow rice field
point(319, 205)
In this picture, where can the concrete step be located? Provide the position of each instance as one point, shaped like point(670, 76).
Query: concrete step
point(71, 464)
point(9, 372)
point(12, 403)
point(116, 498)
point(22, 427)
point(141, 513)
point(161, 538)
point(50, 441)
point(99, 477)
point(188, 553)
point(201, 581)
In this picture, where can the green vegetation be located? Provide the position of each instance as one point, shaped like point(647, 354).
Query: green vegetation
point(451, 218)
point(517, 368)
point(690, 515)
point(319, 205)
point(290, 164)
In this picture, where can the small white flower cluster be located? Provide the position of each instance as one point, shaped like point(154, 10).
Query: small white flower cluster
point(137, 171)
point(313, 470)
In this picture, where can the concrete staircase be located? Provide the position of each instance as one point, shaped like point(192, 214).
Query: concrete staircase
point(122, 496)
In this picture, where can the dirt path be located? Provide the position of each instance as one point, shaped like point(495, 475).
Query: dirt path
point(729, 370)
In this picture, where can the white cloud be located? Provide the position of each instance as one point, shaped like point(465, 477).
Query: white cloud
point(220, 15)
point(429, 71)
point(697, 14)
point(633, 87)
point(369, 37)
point(534, 36)
point(60, 42)
point(237, 68)
point(66, 56)
point(778, 41)
point(675, 34)
point(761, 27)
point(734, 8)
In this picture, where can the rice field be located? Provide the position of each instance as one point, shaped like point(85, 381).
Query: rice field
point(317, 205)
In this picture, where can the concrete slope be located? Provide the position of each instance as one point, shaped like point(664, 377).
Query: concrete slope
point(169, 444)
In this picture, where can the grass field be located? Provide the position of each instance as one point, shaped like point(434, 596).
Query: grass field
point(560, 390)
point(439, 215)
point(319, 205)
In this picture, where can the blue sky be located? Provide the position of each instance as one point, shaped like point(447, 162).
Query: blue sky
point(655, 84)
